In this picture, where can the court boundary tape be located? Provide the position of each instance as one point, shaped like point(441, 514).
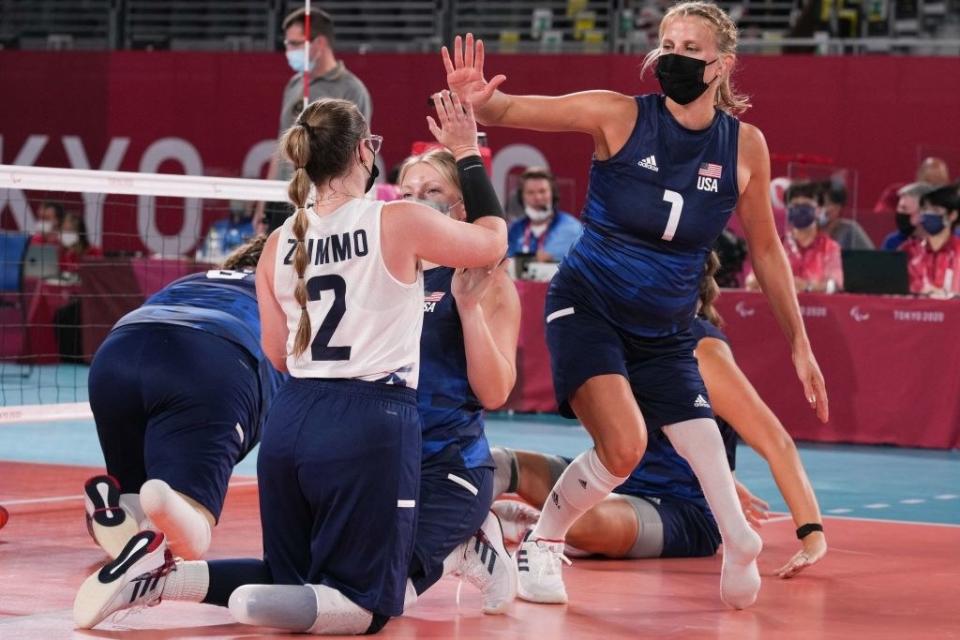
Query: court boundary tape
point(31, 413)
point(251, 482)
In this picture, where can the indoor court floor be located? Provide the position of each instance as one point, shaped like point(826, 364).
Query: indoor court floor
point(892, 518)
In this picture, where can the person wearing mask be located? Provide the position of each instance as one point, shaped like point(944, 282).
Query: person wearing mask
point(543, 230)
point(75, 243)
point(846, 232)
point(814, 257)
point(907, 215)
point(50, 217)
point(934, 259)
point(329, 78)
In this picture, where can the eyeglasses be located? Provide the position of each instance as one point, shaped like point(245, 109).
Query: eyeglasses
point(374, 143)
point(293, 44)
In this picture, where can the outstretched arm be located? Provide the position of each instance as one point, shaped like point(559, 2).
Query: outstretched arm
point(771, 267)
point(737, 401)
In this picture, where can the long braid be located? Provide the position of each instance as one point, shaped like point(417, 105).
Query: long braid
point(710, 290)
point(298, 149)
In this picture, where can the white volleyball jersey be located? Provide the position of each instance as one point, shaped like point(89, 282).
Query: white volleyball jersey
point(364, 323)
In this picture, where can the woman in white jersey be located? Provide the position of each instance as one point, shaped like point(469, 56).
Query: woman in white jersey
point(340, 288)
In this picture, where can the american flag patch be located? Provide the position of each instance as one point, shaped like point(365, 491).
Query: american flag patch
point(710, 170)
point(434, 296)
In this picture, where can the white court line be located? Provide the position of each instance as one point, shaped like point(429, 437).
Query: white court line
point(919, 522)
point(53, 499)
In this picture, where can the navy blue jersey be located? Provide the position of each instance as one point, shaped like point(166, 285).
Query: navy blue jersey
point(448, 407)
point(663, 473)
point(220, 302)
point(653, 211)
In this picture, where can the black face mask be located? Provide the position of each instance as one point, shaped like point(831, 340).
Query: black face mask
point(681, 77)
point(372, 178)
point(903, 224)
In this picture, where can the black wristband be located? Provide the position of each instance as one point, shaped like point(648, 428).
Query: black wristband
point(807, 529)
point(479, 198)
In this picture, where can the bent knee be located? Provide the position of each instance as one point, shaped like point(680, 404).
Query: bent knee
point(622, 457)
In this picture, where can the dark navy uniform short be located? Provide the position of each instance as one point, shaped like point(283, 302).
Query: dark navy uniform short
point(176, 404)
point(456, 484)
point(339, 474)
point(662, 371)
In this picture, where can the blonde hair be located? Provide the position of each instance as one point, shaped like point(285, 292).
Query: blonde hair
point(440, 159)
point(247, 255)
point(725, 31)
point(710, 290)
point(321, 146)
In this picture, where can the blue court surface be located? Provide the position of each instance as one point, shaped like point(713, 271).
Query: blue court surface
point(884, 483)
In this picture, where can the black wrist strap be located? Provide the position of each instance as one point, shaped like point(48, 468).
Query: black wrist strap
point(479, 198)
point(807, 529)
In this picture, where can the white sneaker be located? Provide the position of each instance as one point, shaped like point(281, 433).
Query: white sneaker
point(539, 564)
point(134, 579)
point(487, 566)
point(516, 517)
point(108, 523)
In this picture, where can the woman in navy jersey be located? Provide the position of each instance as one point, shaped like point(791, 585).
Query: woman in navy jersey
point(660, 510)
point(471, 322)
point(340, 291)
point(667, 173)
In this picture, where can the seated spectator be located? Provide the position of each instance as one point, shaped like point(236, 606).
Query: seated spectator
point(49, 219)
point(543, 230)
point(934, 259)
point(932, 171)
point(907, 214)
point(229, 233)
point(847, 233)
point(75, 244)
point(814, 256)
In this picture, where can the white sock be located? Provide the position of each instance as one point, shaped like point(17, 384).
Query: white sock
point(187, 530)
point(337, 615)
point(583, 484)
point(699, 442)
point(409, 596)
point(130, 502)
point(190, 581)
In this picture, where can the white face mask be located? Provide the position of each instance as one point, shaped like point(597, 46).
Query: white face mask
point(69, 238)
point(538, 215)
point(44, 226)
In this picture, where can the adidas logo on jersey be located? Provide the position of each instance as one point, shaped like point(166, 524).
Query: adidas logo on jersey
point(650, 162)
point(701, 402)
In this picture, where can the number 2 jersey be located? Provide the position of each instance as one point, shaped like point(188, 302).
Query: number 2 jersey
point(364, 323)
point(653, 211)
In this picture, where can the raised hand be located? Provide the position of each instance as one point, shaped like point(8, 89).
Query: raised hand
point(457, 129)
point(465, 72)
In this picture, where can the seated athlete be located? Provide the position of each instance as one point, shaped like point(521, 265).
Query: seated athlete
point(660, 511)
point(179, 391)
point(471, 322)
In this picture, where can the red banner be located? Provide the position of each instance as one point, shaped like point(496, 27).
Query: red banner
point(890, 364)
point(217, 114)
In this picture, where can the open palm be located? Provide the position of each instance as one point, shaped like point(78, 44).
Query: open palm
point(465, 71)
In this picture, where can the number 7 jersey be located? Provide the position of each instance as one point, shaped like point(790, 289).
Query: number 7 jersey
point(653, 212)
point(364, 323)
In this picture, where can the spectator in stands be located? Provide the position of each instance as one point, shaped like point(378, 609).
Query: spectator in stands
point(49, 220)
point(229, 233)
point(932, 171)
point(75, 244)
point(814, 256)
point(847, 233)
point(907, 214)
point(544, 230)
point(329, 78)
point(934, 265)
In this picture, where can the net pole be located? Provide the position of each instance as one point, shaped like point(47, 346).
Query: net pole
point(306, 54)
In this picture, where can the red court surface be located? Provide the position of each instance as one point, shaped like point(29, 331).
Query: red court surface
point(879, 580)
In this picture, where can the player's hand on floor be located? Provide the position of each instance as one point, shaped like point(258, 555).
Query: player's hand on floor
point(814, 548)
point(755, 509)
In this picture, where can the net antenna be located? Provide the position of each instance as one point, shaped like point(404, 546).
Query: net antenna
point(306, 55)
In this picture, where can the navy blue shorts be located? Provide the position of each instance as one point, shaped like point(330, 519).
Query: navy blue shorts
point(663, 372)
point(339, 476)
point(454, 501)
point(688, 532)
point(174, 404)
